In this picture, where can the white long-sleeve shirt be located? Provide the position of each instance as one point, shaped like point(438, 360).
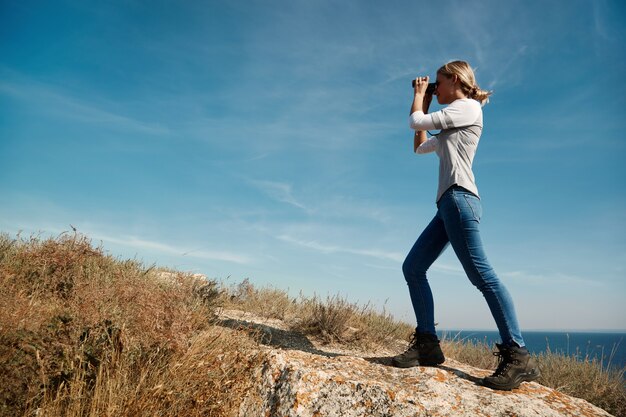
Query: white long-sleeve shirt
point(461, 125)
point(429, 146)
point(461, 112)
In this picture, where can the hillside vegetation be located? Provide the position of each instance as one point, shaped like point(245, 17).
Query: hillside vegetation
point(85, 334)
point(82, 333)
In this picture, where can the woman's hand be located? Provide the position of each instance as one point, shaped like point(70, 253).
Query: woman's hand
point(421, 84)
point(421, 100)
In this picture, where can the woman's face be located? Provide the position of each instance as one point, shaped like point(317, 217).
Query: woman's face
point(446, 89)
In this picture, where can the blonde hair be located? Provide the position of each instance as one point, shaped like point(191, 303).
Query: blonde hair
point(467, 80)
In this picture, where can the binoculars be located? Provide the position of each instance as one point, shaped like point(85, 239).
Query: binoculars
point(430, 89)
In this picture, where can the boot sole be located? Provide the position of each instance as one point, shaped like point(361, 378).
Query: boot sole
point(527, 377)
point(416, 363)
point(433, 363)
point(405, 364)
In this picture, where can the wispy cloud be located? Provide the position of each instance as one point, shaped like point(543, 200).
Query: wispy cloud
point(139, 243)
point(384, 267)
point(395, 257)
point(449, 269)
point(279, 191)
point(53, 100)
point(550, 278)
point(349, 207)
point(324, 204)
point(501, 73)
point(258, 157)
point(494, 41)
point(599, 20)
point(320, 247)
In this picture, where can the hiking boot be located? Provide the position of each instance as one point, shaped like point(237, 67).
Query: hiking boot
point(514, 367)
point(423, 350)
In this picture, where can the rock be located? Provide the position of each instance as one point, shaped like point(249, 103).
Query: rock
point(301, 377)
point(295, 383)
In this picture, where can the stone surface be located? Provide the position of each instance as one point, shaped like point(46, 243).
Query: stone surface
point(296, 383)
point(302, 378)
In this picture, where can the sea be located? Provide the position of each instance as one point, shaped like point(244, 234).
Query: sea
point(608, 348)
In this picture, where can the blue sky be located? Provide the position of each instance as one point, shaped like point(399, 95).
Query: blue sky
point(269, 140)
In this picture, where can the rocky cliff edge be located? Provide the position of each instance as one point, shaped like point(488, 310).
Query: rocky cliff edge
point(302, 378)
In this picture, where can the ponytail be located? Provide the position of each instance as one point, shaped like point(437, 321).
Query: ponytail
point(467, 80)
point(482, 96)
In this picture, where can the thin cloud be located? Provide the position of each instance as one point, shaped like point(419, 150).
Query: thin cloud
point(139, 243)
point(133, 242)
point(258, 157)
point(396, 257)
point(54, 101)
point(550, 278)
point(348, 207)
point(449, 269)
point(320, 247)
point(279, 191)
point(321, 130)
point(493, 41)
point(502, 71)
point(599, 10)
point(404, 73)
point(384, 267)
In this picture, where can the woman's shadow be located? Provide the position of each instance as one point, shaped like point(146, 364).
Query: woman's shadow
point(387, 361)
point(294, 340)
point(271, 336)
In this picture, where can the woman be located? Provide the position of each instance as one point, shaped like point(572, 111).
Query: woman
point(456, 223)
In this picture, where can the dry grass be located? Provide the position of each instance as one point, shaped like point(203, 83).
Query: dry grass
point(333, 320)
point(328, 320)
point(580, 376)
point(206, 379)
point(585, 377)
point(469, 351)
point(266, 302)
point(82, 333)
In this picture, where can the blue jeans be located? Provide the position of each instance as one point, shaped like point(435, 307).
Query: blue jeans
point(456, 222)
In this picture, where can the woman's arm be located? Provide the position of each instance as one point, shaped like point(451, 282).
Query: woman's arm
point(418, 139)
point(458, 114)
point(421, 102)
point(427, 147)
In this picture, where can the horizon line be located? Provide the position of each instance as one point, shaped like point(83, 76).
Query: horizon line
point(540, 330)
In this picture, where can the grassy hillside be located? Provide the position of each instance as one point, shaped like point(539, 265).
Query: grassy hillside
point(82, 333)
point(86, 334)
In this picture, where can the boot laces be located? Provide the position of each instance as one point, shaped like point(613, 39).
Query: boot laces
point(413, 342)
point(416, 341)
point(505, 360)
